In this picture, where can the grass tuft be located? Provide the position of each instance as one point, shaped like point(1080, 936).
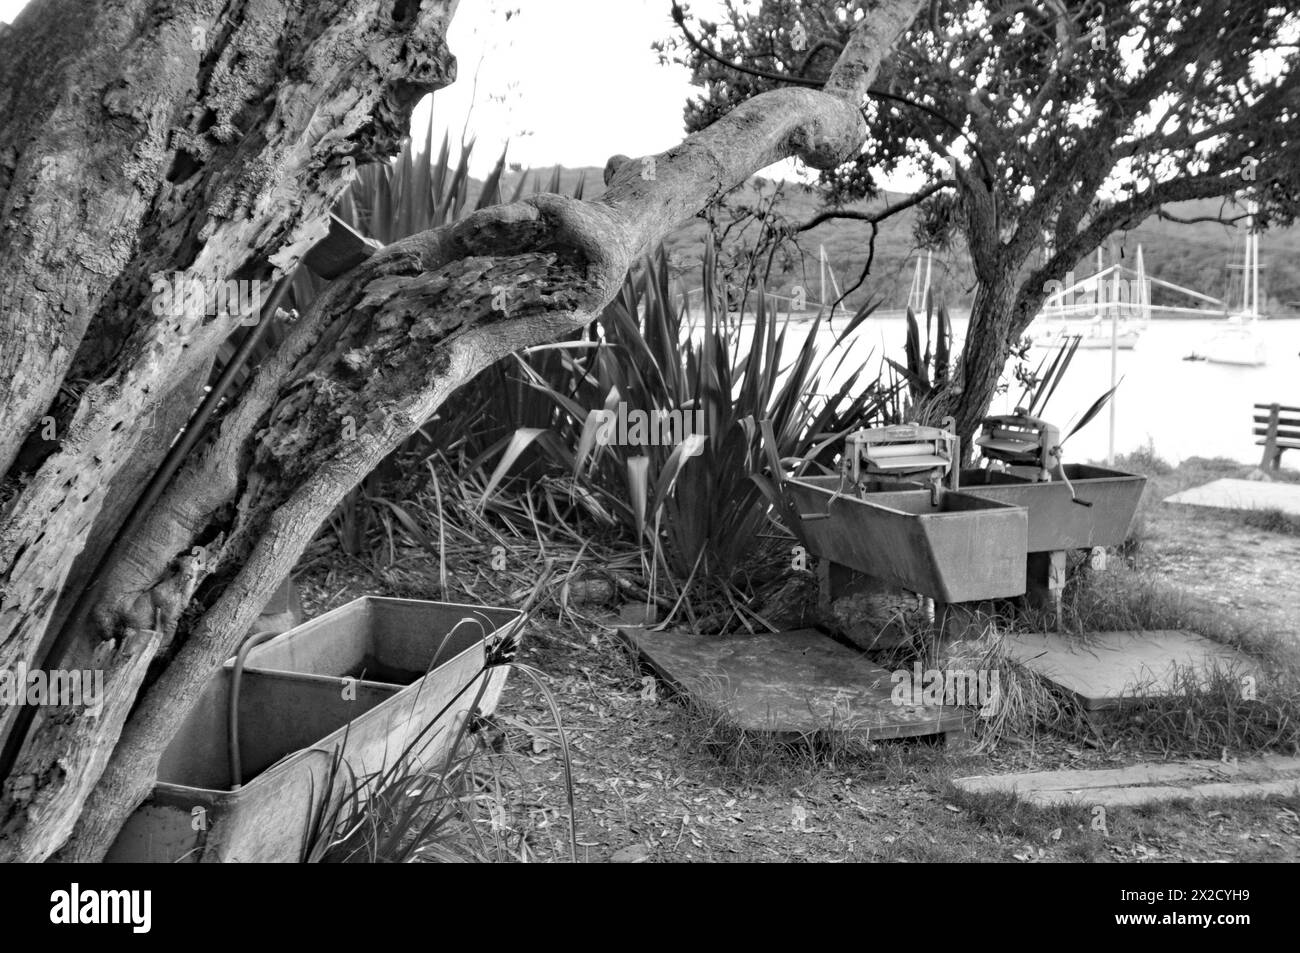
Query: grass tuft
point(1273, 521)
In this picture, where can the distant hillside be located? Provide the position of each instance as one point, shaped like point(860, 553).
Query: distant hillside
point(1195, 255)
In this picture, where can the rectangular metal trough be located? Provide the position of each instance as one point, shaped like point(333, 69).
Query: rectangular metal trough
point(387, 641)
point(965, 549)
point(365, 679)
point(1055, 521)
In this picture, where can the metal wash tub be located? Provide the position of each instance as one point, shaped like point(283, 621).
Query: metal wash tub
point(962, 549)
point(364, 679)
point(1056, 522)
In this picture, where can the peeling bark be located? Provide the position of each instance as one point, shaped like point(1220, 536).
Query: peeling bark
point(239, 125)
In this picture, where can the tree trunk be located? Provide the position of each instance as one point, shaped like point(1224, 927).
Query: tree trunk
point(983, 358)
point(380, 350)
point(1005, 305)
point(144, 141)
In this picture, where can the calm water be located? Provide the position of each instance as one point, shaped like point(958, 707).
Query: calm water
point(1183, 408)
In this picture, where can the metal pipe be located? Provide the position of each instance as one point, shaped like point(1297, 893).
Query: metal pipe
point(232, 716)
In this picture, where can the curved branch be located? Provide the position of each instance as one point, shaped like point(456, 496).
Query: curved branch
point(795, 79)
point(876, 217)
point(679, 17)
point(1215, 219)
point(866, 268)
point(823, 44)
point(696, 44)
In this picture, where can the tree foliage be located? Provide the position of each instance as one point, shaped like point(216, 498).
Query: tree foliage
point(1065, 122)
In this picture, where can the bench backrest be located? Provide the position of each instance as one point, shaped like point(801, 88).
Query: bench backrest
point(1285, 419)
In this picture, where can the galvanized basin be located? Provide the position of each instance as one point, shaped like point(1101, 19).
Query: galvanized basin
point(1055, 521)
point(963, 550)
point(385, 641)
point(364, 679)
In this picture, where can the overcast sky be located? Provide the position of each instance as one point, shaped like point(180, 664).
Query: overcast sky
point(579, 80)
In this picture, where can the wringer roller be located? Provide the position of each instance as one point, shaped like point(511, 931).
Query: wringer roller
point(908, 453)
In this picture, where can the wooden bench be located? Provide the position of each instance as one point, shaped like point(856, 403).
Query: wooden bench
point(1279, 426)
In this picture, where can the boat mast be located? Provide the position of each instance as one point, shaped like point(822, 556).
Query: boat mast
point(1101, 284)
point(1254, 262)
point(917, 292)
point(1144, 290)
point(1249, 268)
point(1114, 355)
point(821, 276)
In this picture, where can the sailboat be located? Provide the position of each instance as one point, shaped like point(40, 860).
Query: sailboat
point(1237, 340)
point(1128, 302)
point(918, 294)
point(1092, 335)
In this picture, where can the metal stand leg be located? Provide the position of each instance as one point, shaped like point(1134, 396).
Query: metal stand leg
point(1045, 582)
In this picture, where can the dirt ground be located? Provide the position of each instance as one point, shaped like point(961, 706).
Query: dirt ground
point(1215, 555)
point(650, 787)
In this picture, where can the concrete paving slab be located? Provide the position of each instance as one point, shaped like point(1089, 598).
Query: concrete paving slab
point(1108, 668)
point(1146, 783)
point(1230, 494)
point(788, 683)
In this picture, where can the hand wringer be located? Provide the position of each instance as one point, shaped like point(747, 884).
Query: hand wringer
point(906, 453)
point(1026, 447)
point(896, 458)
